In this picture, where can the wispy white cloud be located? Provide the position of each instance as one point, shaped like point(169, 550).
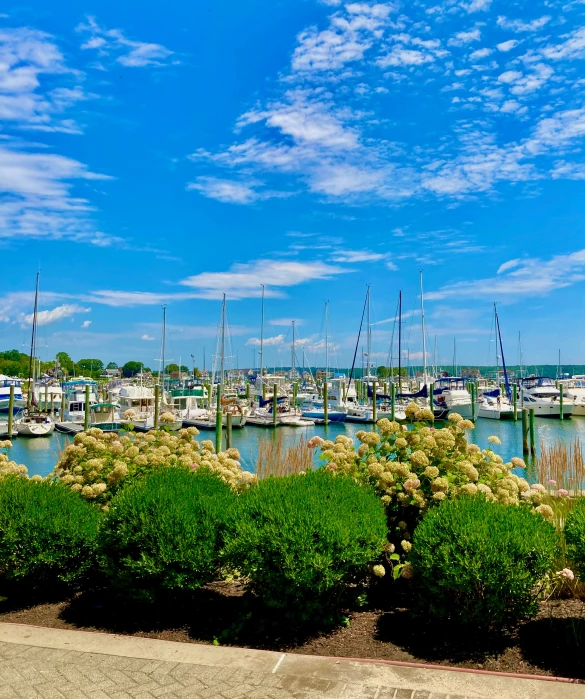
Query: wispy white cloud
point(147, 338)
point(525, 278)
point(352, 256)
point(244, 280)
point(232, 191)
point(54, 315)
point(572, 47)
point(127, 52)
point(268, 341)
point(285, 321)
point(506, 46)
point(462, 38)
point(519, 25)
point(86, 324)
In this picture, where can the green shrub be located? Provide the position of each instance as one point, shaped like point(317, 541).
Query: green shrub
point(164, 533)
point(575, 537)
point(47, 537)
point(302, 539)
point(477, 563)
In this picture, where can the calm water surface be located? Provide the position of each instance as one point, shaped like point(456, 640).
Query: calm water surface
point(40, 455)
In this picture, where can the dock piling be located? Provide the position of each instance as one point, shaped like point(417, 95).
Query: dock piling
point(10, 410)
point(228, 431)
point(473, 402)
point(374, 402)
point(63, 407)
point(532, 433)
point(561, 401)
point(325, 403)
point(515, 399)
point(86, 416)
point(393, 400)
point(274, 405)
point(218, 421)
point(156, 405)
point(525, 447)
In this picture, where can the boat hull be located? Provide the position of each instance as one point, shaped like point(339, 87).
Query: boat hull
point(320, 415)
point(495, 414)
point(35, 429)
point(550, 410)
point(19, 404)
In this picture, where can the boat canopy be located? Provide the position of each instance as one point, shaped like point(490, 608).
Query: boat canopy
point(270, 401)
point(492, 394)
point(423, 393)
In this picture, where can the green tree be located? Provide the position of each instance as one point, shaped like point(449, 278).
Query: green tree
point(184, 369)
point(171, 367)
point(90, 366)
point(131, 369)
point(382, 372)
point(112, 365)
point(65, 362)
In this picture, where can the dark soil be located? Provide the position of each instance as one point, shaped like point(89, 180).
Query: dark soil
point(551, 644)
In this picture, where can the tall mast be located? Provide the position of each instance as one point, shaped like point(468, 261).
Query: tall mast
point(424, 332)
point(163, 346)
point(496, 340)
point(222, 356)
point(262, 337)
point(400, 342)
point(326, 341)
point(369, 335)
point(33, 346)
point(454, 356)
point(292, 363)
point(435, 359)
point(508, 389)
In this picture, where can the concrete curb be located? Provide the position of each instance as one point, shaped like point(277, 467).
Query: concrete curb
point(370, 672)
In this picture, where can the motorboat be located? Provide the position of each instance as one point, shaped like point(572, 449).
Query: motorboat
point(574, 390)
point(451, 392)
point(75, 392)
point(539, 393)
point(493, 406)
point(19, 401)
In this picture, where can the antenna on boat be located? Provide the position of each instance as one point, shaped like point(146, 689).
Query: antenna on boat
point(369, 334)
point(33, 347)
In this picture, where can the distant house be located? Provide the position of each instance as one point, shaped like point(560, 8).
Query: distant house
point(111, 374)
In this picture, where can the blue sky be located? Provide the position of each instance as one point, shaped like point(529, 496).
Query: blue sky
point(167, 154)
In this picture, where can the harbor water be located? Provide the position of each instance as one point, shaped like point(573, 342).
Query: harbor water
point(40, 454)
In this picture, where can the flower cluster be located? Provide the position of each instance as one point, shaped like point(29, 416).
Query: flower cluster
point(414, 469)
point(98, 463)
point(10, 468)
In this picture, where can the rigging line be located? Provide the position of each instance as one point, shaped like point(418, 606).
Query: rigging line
point(390, 360)
point(357, 343)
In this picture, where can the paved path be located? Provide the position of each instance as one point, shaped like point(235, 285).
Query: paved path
point(38, 663)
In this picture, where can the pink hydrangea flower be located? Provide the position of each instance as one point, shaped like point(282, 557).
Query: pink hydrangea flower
point(553, 483)
point(566, 573)
point(315, 442)
point(562, 492)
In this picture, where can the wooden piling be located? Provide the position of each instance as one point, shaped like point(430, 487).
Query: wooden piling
point(63, 406)
point(515, 399)
point(532, 433)
point(473, 402)
point(393, 400)
point(561, 401)
point(325, 403)
point(525, 447)
point(374, 402)
point(228, 431)
point(156, 405)
point(10, 410)
point(218, 420)
point(274, 405)
point(86, 415)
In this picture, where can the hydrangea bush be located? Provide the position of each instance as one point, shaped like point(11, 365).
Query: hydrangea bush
point(414, 469)
point(98, 463)
point(11, 468)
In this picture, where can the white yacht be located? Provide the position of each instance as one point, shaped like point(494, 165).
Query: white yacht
point(539, 393)
point(574, 390)
point(19, 401)
point(136, 403)
point(75, 398)
point(36, 425)
point(493, 406)
point(450, 392)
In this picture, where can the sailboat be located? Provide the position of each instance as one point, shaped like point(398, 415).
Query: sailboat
point(228, 405)
point(34, 424)
point(492, 404)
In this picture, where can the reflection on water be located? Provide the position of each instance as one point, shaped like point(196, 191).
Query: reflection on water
point(41, 454)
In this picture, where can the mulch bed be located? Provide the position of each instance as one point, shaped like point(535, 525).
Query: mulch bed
point(551, 644)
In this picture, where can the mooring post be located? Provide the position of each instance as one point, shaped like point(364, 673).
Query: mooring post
point(295, 391)
point(10, 410)
point(156, 405)
point(473, 402)
point(525, 447)
point(325, 404)
point(515, 399)
point(274, 405)
point(532, 433)
point(374, 405)
point(218, 421)
point(63, 406)
point(561, 401)
point(393, 400)
point(46, 397)
point(228, 431)
point(86, 417)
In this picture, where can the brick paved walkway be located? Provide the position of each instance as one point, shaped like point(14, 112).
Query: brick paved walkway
point(66, 670)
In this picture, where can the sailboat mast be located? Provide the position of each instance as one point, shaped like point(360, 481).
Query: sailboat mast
point(222, 365)
point(326, 341)
point(164, 332)
point(33, 346)
point(454, 356)
point(424, 332)
point(507, 382)
point(292, 362)
point(369, 335)
point(400, 342)
point(262, 336)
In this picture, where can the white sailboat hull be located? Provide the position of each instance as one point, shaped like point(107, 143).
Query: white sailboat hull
point(31, 428)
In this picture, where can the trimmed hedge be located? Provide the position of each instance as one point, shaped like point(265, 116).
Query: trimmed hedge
point(47, 537)
point(575, 537)
point(164, 533)
point(301, 540)
point(477, 563)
